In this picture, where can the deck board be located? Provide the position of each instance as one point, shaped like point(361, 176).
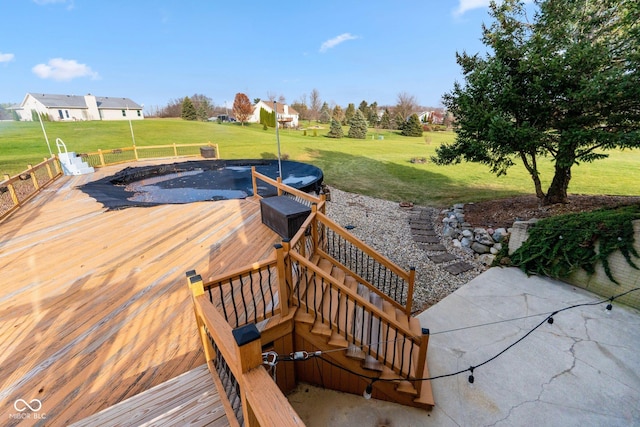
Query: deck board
point(94, 306)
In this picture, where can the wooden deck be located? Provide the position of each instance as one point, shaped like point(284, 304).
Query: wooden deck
point(93, 304)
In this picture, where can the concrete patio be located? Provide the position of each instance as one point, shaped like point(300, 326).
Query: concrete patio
point(582, 370)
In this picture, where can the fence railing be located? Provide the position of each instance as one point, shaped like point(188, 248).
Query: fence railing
point(103, 158)
point(18, 189)
point(234, 356)
point(285, 190)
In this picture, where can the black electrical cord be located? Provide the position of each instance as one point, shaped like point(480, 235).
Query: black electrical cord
point(303, 355)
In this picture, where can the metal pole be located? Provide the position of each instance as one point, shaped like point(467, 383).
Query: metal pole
point(275, 109)
point(131, 126)
point(45, 135)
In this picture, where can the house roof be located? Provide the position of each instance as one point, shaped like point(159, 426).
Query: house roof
point(76, 101)
point(279, 107)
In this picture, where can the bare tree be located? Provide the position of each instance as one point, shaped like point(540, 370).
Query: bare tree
point(242, 107)
point(315, 104)
point(282, 99)
point(271, 97)
point(406, 105)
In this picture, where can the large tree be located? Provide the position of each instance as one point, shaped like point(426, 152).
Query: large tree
point(242, 108)
point(357, 126)
point(565, 86)
point(406, 105)
point(188, 110)
point(315, 104)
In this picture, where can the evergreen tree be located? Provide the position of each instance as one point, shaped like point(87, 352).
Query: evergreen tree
point(338, 114)
point(357, 126)
point(325, 114)
point(348, 114)
point(201, 113)
point(336, 130)
point(364, 107)
point(400, 121)
point(188, 110)
point(385, 120)
point(413, 127)
point(373, 118)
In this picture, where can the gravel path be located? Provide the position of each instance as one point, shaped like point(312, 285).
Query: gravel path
point(385, 226)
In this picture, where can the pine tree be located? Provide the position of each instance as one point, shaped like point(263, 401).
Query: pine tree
point(338, 114)
point(336, 130)
point(412, 127)
point(358, 126)
point(385, 120)
point(400, 121)
point(188, 110)
point(325, 114)
point(348, 114)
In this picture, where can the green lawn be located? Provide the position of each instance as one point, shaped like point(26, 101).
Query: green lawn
point(376, 167)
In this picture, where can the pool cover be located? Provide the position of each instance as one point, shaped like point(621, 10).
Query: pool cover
point(203, 180)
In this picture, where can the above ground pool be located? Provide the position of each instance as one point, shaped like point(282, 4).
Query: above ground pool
point(195, 181)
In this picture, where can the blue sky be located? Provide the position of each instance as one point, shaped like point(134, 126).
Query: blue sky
point(156, 51)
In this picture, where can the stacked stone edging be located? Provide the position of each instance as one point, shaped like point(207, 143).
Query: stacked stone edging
point(484, 242)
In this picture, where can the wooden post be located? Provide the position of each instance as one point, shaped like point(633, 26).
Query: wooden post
point(282, 281)
point(48, 166)
point(422, 358)
point(314, 227)
point(254, 181)
point(34, 179)
point(194, 281)
point(101, 157)
point(175, 150)
point(12, 191)
point(279, 186)
point(135, 153)
point(412, 279)
point(249, 353)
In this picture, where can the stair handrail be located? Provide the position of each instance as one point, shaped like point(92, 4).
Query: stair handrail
point(255, 399)
point(60, 143)
point(406, 276)
point(368, 306)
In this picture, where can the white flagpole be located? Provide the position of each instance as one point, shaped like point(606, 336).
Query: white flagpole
point(275, 109)
point(45, 134)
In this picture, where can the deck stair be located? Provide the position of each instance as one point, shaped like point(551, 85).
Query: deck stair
point(71, 163)
point(358, 320)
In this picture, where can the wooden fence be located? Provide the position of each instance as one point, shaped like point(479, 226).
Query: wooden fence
point(18, 189)
point(136, 153)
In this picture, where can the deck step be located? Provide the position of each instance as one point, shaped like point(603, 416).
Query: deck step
point(188, 399)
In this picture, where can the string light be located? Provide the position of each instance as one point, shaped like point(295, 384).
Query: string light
point(304, 355)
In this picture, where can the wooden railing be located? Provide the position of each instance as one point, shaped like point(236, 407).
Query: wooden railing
point(234, 357)
point(285, 190)
point(16, 190)
point(102, 158)
point(248, 295)
point(354, 318)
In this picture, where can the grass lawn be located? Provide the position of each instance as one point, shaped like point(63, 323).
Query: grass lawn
point(375, 167)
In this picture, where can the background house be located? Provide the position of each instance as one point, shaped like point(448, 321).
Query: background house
point(285, 115)
point(73, 107)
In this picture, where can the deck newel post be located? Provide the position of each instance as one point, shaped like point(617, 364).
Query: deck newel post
point(196, 286)
point(135, 152)
point(34, 179)
point(412, 279)
point(279, 186)
point(288, 275)
point(422, 358)
point(101, 157)
point(282, 281)
point(314, 227)
point(12, 191)
point(48, 166)
point(249, 351)
point(254, 181)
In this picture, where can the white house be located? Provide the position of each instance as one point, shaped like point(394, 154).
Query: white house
point(285, 115)
point(73, 107)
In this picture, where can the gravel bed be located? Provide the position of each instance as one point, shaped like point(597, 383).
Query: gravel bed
point(384, 225)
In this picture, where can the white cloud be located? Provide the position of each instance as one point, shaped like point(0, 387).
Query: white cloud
point(69, 3)
point(331, 43)
point(6, 57)
point(63, 70)
point(466, 5)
